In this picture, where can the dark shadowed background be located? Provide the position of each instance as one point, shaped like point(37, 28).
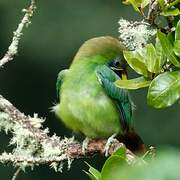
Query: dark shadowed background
point(58, 29)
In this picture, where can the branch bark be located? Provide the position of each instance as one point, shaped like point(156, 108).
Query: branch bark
point(13, 48)
point(50, 149)
point(16, 174)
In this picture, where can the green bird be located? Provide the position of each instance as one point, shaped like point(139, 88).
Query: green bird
point(89, 102)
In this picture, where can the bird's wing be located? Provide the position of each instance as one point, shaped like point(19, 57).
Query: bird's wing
point(107, 77)
point(59, 81)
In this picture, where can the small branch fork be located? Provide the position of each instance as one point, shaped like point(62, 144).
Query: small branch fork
point(153, 11)
point(13, 48)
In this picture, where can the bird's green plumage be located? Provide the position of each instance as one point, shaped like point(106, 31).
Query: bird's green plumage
point(60, 80)
point(87, 106)
point(120, 96)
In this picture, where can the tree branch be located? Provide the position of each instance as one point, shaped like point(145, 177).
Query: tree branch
point(16, 174)
point(34, 146)
point(13, 48)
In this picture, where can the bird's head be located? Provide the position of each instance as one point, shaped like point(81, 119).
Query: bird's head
point(109, 51)
point(105, 46)
point(119, 66)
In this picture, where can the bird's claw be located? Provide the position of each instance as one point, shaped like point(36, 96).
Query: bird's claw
point(110, 140)
point(150, 153)
point(85, 145)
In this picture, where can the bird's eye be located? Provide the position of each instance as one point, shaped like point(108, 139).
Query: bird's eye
point(116, 63)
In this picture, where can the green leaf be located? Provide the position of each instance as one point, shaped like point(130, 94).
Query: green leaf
point(160, 53)
point(120, 152)
point(136, 83)
point(144, 3)
point(173, 3)
point(112, 168)
point(168, 49)
point(176, 20)
point(164, 90)
point(171, 12)
point(171, 37)
point(135, 3)
point(164, 167)
point(177, 48)
point(113, 164)
point(134, 59)
point(152, 60)
point(90, 175)
point(177, 33)
point(142, 52)
point(93, 173)
point(162, 4)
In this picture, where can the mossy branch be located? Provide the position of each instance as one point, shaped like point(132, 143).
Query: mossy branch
point(33, 145)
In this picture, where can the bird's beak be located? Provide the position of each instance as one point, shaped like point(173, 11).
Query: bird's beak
point(124, 75)
point(119, 69)
point(116, 68)
point(121, 72)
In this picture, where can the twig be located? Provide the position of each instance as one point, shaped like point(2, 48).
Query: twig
point(153, 11)
point(13, 48)
point(16, 174)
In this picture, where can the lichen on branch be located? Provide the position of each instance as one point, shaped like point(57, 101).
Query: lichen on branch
point(13, 47)
point(135, 35)
point(33, 145)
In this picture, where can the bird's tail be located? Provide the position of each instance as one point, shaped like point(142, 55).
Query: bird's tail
point(132, 141)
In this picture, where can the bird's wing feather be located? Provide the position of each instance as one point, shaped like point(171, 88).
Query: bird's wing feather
point(59, 81)
point(107, 77)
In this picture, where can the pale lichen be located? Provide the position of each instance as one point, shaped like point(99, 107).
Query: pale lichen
point(5, 122)
point(135, 35)
point(35, 121)
point(31, 148)
point(13, 47)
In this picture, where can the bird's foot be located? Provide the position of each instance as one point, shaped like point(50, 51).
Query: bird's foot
point(110, 140)
point(150, 153)
point(85, 145)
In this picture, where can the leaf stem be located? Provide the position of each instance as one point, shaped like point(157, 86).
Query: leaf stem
point(16, 174)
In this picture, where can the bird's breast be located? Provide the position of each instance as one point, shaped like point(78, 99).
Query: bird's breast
point(85, 107)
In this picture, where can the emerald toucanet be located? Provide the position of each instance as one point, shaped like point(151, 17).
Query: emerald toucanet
point(89, 102)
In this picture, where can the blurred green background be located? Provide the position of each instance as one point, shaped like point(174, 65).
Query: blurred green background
point(58, 29)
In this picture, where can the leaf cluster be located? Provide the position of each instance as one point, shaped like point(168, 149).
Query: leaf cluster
point(110, 168)
point(158, 63)
point(165, 166)
point(167, 8)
